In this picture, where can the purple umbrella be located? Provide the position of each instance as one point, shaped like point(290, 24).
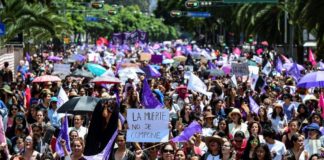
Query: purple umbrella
point(54, 58)
point(227, 69)
point(287, 66)
point(78, 57)
point(314, 79)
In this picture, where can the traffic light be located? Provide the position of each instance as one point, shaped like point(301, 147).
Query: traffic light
point(97, 5)
point(192, 4)
point(175, 13)
point(112, 12)
point(250, 40)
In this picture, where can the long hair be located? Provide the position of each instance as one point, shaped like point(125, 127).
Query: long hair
point(97, 140)
point(265, 147)
point(249, 146)
point(281, 114)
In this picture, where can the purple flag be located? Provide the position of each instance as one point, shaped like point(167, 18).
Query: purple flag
point(279, 65)
point(148, 99)
point(64, 134)
point(28, 57)
point(294, 72)
point(151, 72)
point(211, 65)
point(253, 105)
point(189, 131)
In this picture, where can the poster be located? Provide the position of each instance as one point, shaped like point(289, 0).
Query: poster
point(147, 125)
point(240, 69)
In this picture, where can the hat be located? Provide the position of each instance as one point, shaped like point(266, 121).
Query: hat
point(235, 110)
point(209, 115)
point(6, 88)
point(313, 126)
point(309, 98)
point(277, 105)
point(216, 138)
point(54, 99)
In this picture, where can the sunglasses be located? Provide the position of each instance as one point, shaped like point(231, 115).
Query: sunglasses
point(168, 151)
point(238, 140)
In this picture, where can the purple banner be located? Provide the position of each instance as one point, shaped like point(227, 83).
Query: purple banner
point(130, 37)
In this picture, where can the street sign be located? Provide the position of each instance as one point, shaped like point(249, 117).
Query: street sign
point(2, 29)
point(92, 19)
point(250, 1)
point(198, 14)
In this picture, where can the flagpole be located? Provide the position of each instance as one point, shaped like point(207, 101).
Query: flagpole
point(155, 146)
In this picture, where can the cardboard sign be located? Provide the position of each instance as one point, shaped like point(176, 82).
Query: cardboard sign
point(156, 59)
point(145, 56)
point(62, 68)
point(240, 69)
point(147, 125)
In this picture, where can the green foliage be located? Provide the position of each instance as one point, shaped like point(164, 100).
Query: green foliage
point(43, 20)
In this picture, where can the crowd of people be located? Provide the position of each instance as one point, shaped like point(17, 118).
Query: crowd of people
point(287, 125)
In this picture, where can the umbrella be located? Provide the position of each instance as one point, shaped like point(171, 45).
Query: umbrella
point(313, 79)
point(131, 72)
point(252, 63)
point(46, 78)
point(95, 69)
point(54, 58)
point(82, 73)
point(106, 80)
point(81, 104)
point(227, 69)
point(78, 57)
point(287, 66)
point(167, 61)
point(180, 58)
point(125, 65)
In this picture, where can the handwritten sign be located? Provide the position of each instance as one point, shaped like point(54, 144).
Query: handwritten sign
point(147, 125)
point(240, 69)
point(62, 68)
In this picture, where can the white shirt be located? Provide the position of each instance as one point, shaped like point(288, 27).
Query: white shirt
point(278, 124)
point(243, 127)
point(313, 146)
point(278, 148)
point(82, 131)
point(211, 157)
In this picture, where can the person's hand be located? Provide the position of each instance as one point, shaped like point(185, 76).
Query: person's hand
point(138, 154)
point(63, 142)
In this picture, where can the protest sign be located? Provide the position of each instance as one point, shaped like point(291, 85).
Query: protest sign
point(254, 70)
point(147, 125)
point(156, 59)
point(145, 56)
point(240, 69)
point(62, 68)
